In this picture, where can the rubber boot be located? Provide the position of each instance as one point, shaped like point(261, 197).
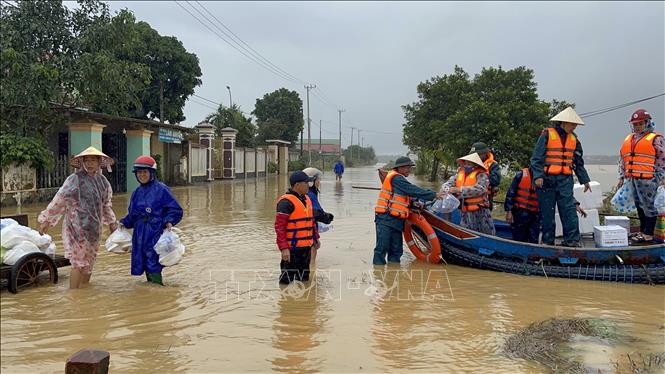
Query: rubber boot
point(155, 278)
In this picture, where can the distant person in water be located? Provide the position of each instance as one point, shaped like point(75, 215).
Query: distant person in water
point(339, 170)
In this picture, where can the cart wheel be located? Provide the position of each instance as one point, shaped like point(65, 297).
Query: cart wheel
point(28, 271)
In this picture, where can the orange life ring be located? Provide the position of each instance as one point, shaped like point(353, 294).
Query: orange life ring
point(415, 219)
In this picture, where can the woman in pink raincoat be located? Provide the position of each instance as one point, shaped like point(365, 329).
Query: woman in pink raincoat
point(85, 201)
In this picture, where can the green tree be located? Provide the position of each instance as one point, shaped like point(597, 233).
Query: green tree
point(499, 107)
point(279, 115)
point(356, 155)
point(233, 117)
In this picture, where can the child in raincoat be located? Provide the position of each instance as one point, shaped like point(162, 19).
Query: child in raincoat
point(85, 201)
point(319, 214)
point(152, 209)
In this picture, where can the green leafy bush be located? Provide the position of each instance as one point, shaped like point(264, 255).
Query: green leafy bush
point(22, 150)
point(272, 167)
point(296, 165)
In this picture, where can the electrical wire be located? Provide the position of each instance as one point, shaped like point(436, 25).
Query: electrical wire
point(617, 107)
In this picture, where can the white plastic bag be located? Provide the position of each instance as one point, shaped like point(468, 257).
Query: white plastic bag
point(50, 250)
point(120, 241)
point(624, 199)
point(324, 227)
point(6, 222)
point(445, 205)
point(169, 248)
point(659, 202)
point(15, 234)
point(22, 249)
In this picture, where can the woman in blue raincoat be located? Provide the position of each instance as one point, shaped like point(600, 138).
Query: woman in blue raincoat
point(152, 209)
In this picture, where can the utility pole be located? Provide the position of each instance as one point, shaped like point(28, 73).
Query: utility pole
point(359, 130)
point(351, 149)
point(323, 165)
point(340, 132)
point(309, 132)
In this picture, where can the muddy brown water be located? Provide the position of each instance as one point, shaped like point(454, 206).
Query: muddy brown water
point(223, 311)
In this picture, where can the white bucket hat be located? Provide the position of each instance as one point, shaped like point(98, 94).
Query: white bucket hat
point(473, 157)
point(568, 115)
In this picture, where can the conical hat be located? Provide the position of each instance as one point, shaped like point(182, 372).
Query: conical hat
point(106, 161)
point(568, 115)
point(473, 157)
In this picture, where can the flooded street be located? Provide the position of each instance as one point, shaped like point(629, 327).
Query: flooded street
point(222, 309)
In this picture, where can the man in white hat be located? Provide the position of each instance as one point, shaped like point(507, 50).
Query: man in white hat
point(558, 154)
point(470, 185)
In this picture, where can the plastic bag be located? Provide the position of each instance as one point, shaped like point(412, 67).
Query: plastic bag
point(624, 199)
point(446, 205)
point(169, 248)
point(120, 241)
point(324, 227)
point(50, 250)
point(22, 249)
point(6, 222)
point(15, 234)
point(659, 202)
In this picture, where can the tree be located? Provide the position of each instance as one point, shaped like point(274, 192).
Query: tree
point(499, 107)
point(279, 115)
point(357, 155)
point(233, 117)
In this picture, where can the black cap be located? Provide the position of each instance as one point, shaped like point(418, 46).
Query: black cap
point(299, 176)
point(404, 161)
point(479, 148)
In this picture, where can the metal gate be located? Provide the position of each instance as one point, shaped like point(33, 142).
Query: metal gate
point(115, 145)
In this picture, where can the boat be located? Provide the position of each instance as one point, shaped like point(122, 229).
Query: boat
point(433, 238)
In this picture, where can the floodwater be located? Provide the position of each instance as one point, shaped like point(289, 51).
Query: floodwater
point(222, 310)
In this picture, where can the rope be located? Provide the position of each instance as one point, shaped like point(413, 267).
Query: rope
point(646, 272)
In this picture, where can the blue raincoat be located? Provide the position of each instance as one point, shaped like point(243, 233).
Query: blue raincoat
point(152, 206)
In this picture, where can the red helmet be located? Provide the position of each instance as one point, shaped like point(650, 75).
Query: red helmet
point(639, 116)
point(145, 162)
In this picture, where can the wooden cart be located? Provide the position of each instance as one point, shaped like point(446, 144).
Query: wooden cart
point(33, 269)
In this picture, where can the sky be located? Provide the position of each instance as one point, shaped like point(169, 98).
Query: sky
point(367, 58)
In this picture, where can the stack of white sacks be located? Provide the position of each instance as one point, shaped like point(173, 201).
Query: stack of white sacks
point(19, 241)
point(590, 202)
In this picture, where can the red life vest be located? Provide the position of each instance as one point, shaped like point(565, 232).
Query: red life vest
point(300, 227)
point(388, 201)
point(471, 204)
point(526, 197)
point(639, 159)
point(559, 157)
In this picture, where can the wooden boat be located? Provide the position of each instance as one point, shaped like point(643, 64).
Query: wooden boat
point(458, 245)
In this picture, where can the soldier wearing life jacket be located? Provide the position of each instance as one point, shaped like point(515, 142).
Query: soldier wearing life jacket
point(470, 185)
point(295, 229)
point(392, 208)
point(557, 155)
point(521, 206)
point(492, 167)
point(643, 165)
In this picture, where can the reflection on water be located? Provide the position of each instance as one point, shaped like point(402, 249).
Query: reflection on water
point(223, 310)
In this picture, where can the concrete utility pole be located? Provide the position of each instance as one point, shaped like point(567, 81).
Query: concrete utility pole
point(340, 131)
point(359, 130)
point(309, 132)
point(351, 149)
point(321, 144)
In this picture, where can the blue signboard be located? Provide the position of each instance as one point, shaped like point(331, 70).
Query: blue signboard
point(170, 135)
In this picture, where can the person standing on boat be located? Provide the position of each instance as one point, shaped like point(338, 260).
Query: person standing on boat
point(557, 155)
point(471, 184)
point(392, 208)
point(339, 170)
point(643, 164)
point(152, 210)
point(319, 214)
point(84, 200)
point(295, 229)
point(492, 167)
point(521, 206)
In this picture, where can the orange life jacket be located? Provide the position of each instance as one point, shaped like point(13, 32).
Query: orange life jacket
point(639, 159)
point(300, 227)
point(491, 190)
point(471, 204)
point(559, 157)
point(526, 197)
point(388, 201)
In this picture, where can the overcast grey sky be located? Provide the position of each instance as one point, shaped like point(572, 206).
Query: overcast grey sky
point(368, 57)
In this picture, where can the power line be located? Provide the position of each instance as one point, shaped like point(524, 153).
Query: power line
point(219, 104)
point(253, 59)
point(616, 107)
point(255, 53)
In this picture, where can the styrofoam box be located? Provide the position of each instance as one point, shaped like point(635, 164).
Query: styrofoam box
point(610, 236)
point(586, 225)
point(589, 200)
point(622, 221)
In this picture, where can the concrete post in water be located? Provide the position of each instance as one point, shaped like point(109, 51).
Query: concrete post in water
point(83, 134)
point(229, 151)
point(88, 361)
point(283, 157)
point(206, 135)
